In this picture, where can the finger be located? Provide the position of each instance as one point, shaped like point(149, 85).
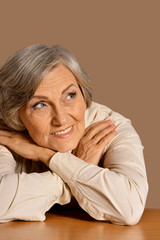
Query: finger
point(103, 133)
point(4, 140)
point(15, 135)
point(6, 133)
point(90, 127)
point(93, 129)
point(107, 139)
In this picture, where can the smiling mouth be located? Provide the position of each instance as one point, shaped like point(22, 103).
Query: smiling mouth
point(67, 130)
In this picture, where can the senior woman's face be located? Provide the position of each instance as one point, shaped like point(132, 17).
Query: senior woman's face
point(54, 117)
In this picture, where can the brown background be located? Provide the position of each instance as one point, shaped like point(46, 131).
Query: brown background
point(117, 42)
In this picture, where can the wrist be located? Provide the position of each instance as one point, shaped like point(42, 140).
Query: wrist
point(45, 156)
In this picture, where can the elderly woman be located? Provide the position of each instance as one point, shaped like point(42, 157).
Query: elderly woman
point(56, 144)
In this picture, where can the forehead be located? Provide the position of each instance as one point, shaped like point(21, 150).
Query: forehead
point(58, 78)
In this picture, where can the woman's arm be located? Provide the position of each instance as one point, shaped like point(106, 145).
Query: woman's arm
point(24, 146)
point(27, 196)
point(116, 192)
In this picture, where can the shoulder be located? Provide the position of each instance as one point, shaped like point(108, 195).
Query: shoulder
point(126, 133)
point(98, 112)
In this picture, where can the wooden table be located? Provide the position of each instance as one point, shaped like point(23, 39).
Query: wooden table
point(68, 224)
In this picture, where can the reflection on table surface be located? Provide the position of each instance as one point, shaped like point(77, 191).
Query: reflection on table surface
point(73, 223)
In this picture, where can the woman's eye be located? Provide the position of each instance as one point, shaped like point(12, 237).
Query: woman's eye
point(71, 95)
point(39, 106)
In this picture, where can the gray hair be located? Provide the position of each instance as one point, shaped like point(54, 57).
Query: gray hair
point(22, 73)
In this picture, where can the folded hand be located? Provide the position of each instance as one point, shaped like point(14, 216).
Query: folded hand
point(95, 139)
point(24, 146)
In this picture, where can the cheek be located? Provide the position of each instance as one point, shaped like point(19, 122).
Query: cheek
point(37, 128)
point(34, 126)
point(80, 112)
point(37, 131)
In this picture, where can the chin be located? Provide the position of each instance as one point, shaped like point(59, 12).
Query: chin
point(67, 148)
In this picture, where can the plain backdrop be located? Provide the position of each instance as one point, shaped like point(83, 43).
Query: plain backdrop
point(116, 42)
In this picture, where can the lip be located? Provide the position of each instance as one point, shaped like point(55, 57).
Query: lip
point(64, 135)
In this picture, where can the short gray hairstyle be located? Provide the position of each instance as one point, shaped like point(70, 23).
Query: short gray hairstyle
point(22, 73)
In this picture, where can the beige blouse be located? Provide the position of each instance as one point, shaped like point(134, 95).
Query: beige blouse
point(113, 192)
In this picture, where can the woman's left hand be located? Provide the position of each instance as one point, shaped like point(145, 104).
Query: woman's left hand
point(95, 139)
point(23, 145)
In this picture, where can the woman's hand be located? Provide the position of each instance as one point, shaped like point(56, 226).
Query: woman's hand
point(23, 145)
point(95, 139)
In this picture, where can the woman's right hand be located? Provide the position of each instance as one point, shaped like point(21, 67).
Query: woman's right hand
point(24, 146)
point(95, 139)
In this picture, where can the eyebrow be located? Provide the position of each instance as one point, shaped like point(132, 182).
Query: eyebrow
point(67, 88)
point(41, 96)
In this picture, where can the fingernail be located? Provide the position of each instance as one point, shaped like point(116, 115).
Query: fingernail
point(108, 121)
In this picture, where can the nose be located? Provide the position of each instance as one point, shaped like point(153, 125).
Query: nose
point(59, 116)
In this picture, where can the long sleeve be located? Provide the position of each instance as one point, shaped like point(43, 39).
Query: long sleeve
point(117, 192)
point(28, 196)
